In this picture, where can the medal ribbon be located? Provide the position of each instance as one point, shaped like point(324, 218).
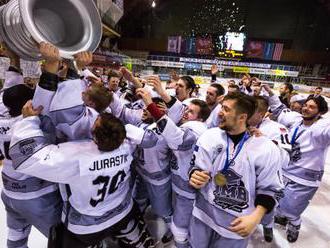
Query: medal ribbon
point(238, 150)
point(295, 135)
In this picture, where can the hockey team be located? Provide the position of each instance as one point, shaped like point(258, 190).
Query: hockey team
point(85, 160)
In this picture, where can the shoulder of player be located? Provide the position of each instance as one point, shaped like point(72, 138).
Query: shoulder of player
point(197, 127)
point(261, 143)
point(212, 137)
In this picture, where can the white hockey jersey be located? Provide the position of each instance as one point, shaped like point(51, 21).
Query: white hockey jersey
point(308, 154)
point(100, 182)
point(182, 141)
point(73, 120)
point(255, 171)
point(214, 119)
point(17, 185)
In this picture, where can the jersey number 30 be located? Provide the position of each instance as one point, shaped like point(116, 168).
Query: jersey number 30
point(104, 181)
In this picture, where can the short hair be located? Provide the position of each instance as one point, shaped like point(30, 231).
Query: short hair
point(319, 88)
point(244, 104)
point(110, 133)
point(262, 104)
point(233, 86)
point(220, 89)
point(113, 73)
point(205, 111)
point(246, 75)
point(190, 83)
point(100, 96)
point(289, 86)
point(14, 98)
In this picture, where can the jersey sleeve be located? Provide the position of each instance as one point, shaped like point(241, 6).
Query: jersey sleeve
point(268, 171)
point(127, 115)
point(45, 91)
point(175, 112)
point(321, 133)
point(176, 137)
point(32, 154)
point(202, 156)
point(214, 120)
point(138, 136)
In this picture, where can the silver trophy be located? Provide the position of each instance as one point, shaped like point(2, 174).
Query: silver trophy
point(71, 25)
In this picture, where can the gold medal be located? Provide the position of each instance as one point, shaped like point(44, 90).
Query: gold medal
point(220, 179)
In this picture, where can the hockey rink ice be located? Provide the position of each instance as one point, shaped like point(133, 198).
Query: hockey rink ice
point(314, 232)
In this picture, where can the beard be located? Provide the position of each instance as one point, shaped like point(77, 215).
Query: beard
point(310, 118)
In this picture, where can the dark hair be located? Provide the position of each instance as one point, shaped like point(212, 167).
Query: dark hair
point(100, 96)
point(289, 86)
point(244, 104)
point(319, 88)
point(205, 111)
point(110, 133)
point(322, 105)
point(157, 100)
point(233, 86)
point(220, 89)
point(262, 104)
point(190, 83)
point(14, 98)
point(113, 73)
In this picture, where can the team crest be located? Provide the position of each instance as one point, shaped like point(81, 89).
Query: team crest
point(233, 195)
point(27, 147)
point(218, 149)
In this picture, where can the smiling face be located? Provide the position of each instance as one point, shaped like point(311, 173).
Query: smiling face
point(114, 84)
point(229, 117)
point(310, 110)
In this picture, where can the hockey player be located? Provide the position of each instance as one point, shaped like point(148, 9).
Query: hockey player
point(74, 117)
point(176, 105)
point(237, 182)
point(181, 140)
point(280, 136)
point(310, 135)
point(29, 201)
point(104, 205)
point(152, 164)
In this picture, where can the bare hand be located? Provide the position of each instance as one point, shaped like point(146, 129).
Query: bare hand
point(244, 225)
point(28, 110)
point(95, 80)
point(7, 52)
point(145, 95)
point(266, 87)
point(127, 74)
point(199, 179)
point(49, 52)
point(162, 107)
point(83, 59)
point(214, 69)
point(155, 82)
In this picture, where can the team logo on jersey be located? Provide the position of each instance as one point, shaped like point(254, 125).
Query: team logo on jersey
point(218, 149)
point(295, 154)
point(4, 130)
point(233, 195)
point(27, 147)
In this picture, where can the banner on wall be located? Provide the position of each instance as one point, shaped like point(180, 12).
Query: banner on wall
point(255, 49)
point(174, 44)
point(204, 46)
